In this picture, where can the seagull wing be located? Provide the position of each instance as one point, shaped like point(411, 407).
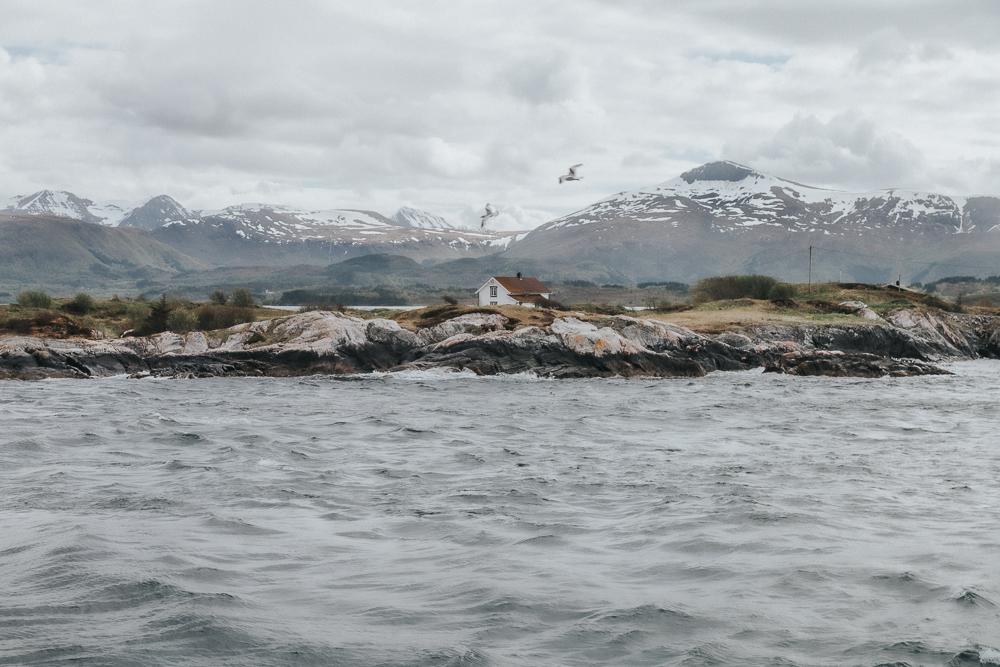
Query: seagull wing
point(572, 170)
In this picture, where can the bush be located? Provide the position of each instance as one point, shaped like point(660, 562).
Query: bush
point(781, 292)
point(218, 297)
point(242, 298)
point(450, 300)
point(156, 321)
point(181, 321)
point(733, 287)
point(34, 299)
point(214, 316)
point(81, 304)
point(136, 313)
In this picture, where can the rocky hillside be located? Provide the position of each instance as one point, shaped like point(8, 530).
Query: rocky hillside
point(723, 217)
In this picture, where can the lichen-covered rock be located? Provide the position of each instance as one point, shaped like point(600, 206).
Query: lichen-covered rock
point(937, 330)
point(586, 339)
point(471, 323)
point(861, 309)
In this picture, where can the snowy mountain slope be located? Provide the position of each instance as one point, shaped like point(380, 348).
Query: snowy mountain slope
point(158, 211)
point(736, 197)
point(62, 204)
point(231, 231)
point(407, 216)
point(725, 217)
point(277, 235)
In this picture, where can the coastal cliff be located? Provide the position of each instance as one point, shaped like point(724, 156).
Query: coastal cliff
point(907, 342)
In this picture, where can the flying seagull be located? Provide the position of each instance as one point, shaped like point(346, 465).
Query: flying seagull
point(571, 176)
point(488, 215)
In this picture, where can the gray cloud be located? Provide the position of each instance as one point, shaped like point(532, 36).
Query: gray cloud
point(848, 150)
point(448, 105)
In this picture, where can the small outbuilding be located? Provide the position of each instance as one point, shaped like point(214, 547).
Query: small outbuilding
point(513, 291)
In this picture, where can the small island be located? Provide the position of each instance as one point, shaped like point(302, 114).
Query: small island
point(837, 329)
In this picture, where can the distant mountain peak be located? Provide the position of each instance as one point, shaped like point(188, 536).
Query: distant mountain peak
point(63, 204)
point(158, 211)
point(723, 170)
point(408, 216)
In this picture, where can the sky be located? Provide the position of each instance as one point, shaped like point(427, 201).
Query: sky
point(446, 105)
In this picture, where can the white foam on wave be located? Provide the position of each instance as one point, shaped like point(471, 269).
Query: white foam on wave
point(989, 656)
point(438, 374)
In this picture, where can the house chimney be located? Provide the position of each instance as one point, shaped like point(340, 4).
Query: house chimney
point(518, 275)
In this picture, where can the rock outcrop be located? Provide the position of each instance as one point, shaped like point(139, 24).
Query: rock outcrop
point(904, 343)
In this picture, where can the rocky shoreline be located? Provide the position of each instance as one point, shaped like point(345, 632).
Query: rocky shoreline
point(907, 342)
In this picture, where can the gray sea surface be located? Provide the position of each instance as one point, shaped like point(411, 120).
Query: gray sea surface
point(442, 519)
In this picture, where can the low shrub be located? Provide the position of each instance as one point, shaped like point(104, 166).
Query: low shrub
point(181, 321)
point(732, 287)
point(781, 292)
point(34, 299)
point(214, 316)
point(242, 298)
point(136, 313)
point(156, 321)
point(81, 304)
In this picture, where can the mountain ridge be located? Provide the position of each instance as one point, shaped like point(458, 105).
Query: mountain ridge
point(724, 217)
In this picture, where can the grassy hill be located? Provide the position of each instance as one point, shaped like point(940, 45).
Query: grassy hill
point(64, 255)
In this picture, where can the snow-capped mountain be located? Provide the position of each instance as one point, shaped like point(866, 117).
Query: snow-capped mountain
point(250, 234)
point(727, 217)
point(62, 204)
point(272, 223)
point(158, 211)
point(407, 216)
point(732, 197)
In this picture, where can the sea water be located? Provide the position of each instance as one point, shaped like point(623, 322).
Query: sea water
point(445, 519)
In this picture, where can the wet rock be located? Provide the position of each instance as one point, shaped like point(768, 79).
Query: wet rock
point(831, 363)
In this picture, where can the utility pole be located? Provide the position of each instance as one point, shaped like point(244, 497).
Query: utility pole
point(810, 269)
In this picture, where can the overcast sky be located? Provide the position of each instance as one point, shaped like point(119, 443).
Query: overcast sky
point(446, 105)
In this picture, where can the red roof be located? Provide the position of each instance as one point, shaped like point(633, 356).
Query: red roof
point(517, 286)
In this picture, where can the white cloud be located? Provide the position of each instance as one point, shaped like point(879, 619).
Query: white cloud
point(848, 150)
point(449, 105)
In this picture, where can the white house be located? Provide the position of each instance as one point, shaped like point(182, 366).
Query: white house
point(513, 291)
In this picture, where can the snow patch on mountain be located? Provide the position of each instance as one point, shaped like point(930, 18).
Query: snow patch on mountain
point(158, 212)
point(733, 197)
point(407, 216)
point(62, 204)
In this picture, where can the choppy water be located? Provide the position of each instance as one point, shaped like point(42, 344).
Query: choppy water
point(416, 520)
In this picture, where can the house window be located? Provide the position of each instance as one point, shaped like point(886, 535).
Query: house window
point(493, 303)
point(493, 291)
